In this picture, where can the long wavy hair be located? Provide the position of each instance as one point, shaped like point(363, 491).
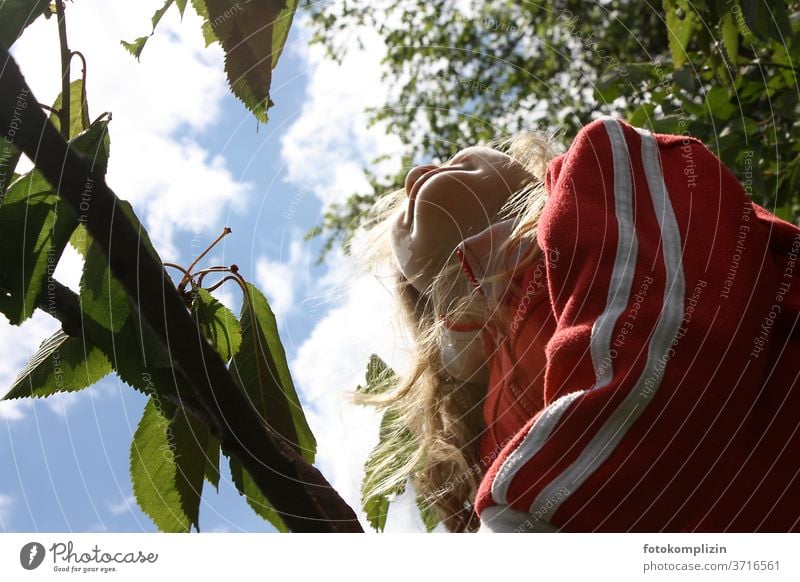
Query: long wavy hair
point(442, 415)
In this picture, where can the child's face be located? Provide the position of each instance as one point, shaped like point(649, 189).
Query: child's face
point(448, 203)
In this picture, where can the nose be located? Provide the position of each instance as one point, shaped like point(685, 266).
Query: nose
point(415, 174)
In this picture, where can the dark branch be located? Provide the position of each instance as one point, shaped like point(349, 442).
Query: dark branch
point(296, 489)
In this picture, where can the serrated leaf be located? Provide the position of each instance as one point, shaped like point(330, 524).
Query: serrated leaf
point(167, 462)
point(191, 437)
point(36, 225)
point(217, 324)
point(252, 36)
point(212, 461)
point(730, 37)
point(376, 507)
point(137, 46)
point(81, 240)
point(255, 499)
point(682, 21)
point(16, 15)
point(394, 448)
point(113, 324)
point(379, 376)
point(78, 109)
point(61, 364)
point(261, 370)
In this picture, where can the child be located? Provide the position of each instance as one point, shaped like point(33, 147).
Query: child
point(610, 345)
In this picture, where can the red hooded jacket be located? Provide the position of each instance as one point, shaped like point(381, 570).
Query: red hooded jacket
point(648, 380)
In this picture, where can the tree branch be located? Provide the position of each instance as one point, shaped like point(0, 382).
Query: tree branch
point(63, 304)
point(296, 489)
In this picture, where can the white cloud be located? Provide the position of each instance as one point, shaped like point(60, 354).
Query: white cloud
point(279, 279)
point(6, 502)
point(177, 89)
point(325, 151)
point(123, 506)
point(332, 362)
point(327, 147)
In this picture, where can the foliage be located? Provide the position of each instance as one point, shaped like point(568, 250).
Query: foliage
point(174, 449)
point(252, 35)
point(720, 70)
point(395, 445)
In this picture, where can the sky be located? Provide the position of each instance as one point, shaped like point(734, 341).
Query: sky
point(192, 160)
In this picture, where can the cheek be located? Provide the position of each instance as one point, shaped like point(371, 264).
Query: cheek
point(401, 248)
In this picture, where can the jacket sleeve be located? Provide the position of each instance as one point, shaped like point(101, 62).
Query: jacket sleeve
point(652, 262)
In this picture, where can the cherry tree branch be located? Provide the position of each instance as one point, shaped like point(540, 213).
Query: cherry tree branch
point(295, 488)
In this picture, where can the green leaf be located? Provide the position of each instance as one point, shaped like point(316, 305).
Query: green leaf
point(685, 79)
point(191, 439)
point(261, 370)
point(730, 37)
point(137, 46)
point(16, 15)
point(719, 104)
point(377, 509)
point(113, 324)
point(255, 499)
point(430, 518)
point(217, 324)
point(390, 452)
point(252, 36)
point(167, 462)
point(394, 448)
point(682, 21)
point(379, 377)
point(36, 225)
point(9, 157)
point(81, 240)
point(103, 297)
point(78, 109)
point(112, 321)
point(212, 461)
point(642, 116)
point(62, 364)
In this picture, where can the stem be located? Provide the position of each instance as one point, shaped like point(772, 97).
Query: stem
point(218, 284)
point(84, 120)
point(202, 274)
point(225, 232)
point(55, 112)
point(100, 117)
point(65, 72)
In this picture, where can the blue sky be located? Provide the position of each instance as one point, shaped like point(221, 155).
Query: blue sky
point(191, 160)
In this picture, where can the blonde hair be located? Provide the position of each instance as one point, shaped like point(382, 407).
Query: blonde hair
point(444, 416)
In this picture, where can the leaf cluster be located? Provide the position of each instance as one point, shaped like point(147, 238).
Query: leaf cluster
point(724, 71)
